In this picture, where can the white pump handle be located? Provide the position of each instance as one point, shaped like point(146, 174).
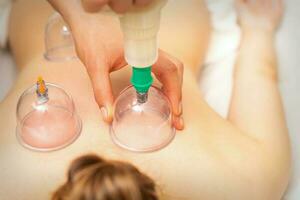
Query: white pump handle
point(140, 28)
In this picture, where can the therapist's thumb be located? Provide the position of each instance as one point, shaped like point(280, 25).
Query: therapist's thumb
point(100, 79)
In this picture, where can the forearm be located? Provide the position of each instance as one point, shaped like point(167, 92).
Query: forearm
point(256, 106)
point(257, 56)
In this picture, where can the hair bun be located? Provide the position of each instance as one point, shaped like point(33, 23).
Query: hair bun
point(82, 163)
point(91, 177)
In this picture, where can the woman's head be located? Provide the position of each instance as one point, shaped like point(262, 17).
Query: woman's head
point(93, 178)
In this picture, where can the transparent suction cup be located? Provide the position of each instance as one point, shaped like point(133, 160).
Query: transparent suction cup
point(142, 127)
point(58, 40)
point(46, 118)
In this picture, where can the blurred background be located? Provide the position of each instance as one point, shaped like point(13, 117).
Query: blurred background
point(288, 45)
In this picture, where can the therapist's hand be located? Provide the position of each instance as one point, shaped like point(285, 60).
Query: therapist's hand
point(99, 45)
point(119, 6)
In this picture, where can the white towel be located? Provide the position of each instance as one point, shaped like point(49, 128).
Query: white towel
point(216, 79)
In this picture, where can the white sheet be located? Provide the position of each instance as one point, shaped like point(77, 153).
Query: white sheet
point(216, 78)
point(288, 45)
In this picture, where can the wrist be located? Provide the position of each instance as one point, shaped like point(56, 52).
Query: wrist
point(258, 33)
point(258, 24)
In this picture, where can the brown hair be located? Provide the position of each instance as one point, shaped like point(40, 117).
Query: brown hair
point(93, 178)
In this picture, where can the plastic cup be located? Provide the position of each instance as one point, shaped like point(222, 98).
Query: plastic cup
point(50, 125)
point(142, 127)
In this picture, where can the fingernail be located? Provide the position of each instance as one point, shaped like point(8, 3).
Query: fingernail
point(104, 112)
point(180, 107)
point(181, 123)
point(178, 123)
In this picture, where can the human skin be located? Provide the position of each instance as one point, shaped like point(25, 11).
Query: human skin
point(246, 156)
point(112, 57)
point(119, 6)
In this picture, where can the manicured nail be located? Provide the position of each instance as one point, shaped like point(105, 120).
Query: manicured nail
point(104, 112)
